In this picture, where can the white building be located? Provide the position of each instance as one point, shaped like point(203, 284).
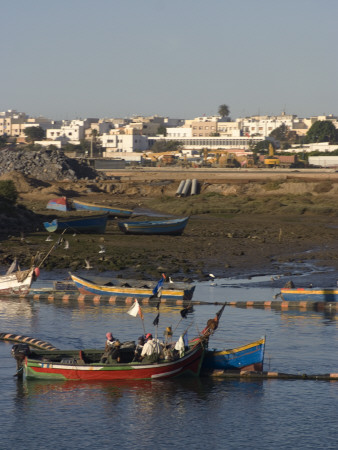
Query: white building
point(212, 142)
point(313, 147)
point(324, 161)
point(72, 131)
point(264, 125)
point(179, 132)
point(118, 144)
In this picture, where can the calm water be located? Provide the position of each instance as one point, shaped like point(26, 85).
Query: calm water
point(194, 413)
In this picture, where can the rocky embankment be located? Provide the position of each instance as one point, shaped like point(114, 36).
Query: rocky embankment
point(47, 165)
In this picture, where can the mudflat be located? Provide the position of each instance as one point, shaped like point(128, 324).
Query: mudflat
point(240, 222)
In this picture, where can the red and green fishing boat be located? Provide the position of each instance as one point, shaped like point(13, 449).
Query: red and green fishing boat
point(85, 366)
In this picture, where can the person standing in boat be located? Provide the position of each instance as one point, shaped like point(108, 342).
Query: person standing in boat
point(139, 348)
point(152, 350)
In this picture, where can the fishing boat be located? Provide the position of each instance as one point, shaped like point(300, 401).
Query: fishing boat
point(168, 226)
point(86, 365)
point(111, 210)
point(59, 204)
point(132, 288)
point(309, 294)
point(248, 357)
point(88, 224)
point(91, 365)
point(18, 282)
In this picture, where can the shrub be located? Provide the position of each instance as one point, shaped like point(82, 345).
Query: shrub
point(8, 191)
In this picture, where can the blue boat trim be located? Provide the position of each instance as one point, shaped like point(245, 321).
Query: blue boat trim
point(310, 294)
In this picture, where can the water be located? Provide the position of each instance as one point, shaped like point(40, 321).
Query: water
point(180, 413)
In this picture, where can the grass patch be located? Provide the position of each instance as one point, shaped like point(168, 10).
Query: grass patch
point(323, 187)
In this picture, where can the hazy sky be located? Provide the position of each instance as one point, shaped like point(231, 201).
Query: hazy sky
point(178, 58)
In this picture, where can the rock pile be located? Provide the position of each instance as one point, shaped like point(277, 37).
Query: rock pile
point(46, 165)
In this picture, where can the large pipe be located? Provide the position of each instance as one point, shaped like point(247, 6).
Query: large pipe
point(180, 188)
point(186, 188)
point(194, 186)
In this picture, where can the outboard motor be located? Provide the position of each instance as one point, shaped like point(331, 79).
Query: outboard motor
point(19, 352)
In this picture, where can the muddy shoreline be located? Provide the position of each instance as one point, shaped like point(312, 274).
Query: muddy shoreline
point(229, 232)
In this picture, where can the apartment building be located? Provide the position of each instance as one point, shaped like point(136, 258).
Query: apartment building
point(203, 126)
point(12, 123)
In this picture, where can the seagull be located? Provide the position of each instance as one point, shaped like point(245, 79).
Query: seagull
point(102, 249)
point(49, 238)
point(66, 247)
point(170, 280)
point(88, 266)
point(212, 278)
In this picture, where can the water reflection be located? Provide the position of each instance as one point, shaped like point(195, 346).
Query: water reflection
point(13, 307)
point(148, 393)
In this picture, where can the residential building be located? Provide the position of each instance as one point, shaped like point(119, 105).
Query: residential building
point(120, 144)
point(203, 126)
point(12, 123)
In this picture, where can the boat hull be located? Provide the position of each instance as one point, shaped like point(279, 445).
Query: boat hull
point(58, 204)
point(188, 365)
point(243, 358)
point(87, 287)
point(309, 295)
point(11, 284)
point(112, 211)
point(94, 224)
point(168, 227)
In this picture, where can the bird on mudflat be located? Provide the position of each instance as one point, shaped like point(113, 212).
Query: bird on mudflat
point(102, 249)
point(88, 265)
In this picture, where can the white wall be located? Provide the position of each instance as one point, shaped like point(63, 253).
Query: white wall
point(324, 161)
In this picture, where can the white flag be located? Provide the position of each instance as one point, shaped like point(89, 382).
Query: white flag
point(135, 309)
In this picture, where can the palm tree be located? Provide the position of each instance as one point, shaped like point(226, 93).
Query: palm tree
point(223, 111)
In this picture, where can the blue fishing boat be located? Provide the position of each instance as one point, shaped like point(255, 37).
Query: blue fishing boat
point(89, 224)
point(309, 294)
point(169, 226)
point(249, 357)
point(132, 288)
point(111, 210)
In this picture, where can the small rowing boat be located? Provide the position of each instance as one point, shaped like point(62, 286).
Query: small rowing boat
point(168, 226)
point(113, 211)
point(248, 357)
point(133, 288)
point(89, 224)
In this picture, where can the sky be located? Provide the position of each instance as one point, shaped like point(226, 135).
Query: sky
point(70, 59)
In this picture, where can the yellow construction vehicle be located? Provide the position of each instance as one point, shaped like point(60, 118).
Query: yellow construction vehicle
point(271, 160)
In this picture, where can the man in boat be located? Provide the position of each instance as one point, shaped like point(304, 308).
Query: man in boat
point(152, 350)
point(139, 348)
point(110, 342)
point(112, 350)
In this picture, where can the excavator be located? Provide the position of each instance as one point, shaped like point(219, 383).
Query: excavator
point(271, 160)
